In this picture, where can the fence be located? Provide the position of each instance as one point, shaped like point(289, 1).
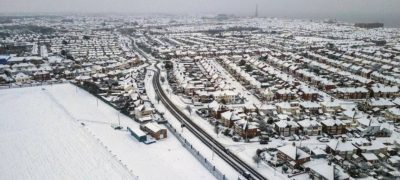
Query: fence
point(10, 86)
point(206, 163)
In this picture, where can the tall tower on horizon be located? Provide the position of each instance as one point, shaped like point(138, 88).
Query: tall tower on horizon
point(256, 14)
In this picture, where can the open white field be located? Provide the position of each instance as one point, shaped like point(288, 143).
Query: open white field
point(39, 140)
point(34, 107)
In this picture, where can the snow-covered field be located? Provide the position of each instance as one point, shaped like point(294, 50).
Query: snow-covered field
point(44, 126)
point(39, 140)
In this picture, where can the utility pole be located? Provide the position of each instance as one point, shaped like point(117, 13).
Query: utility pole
point(119, 120)
point(212, 156)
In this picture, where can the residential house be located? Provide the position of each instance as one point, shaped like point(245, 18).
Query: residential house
point(246, 129)
point(143, 110)
point(341, 147)
point(286, 128)
point(352, 93)
point(228, 118)
point(217, 109)
point(393, 114)
point(41, 76)
point(285, 95)
point(326, 171)
point(310, 127)
point(310, 107)
point(378, 104)
point(155, 130)
point(291, 108)
point(22, 78)
point(308, 94)
point(333, 127)
point(292, 155)
point(331, 106)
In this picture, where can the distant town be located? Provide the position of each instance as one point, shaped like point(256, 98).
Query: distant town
point(198, 97)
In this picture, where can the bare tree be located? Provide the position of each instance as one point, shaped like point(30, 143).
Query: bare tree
point(158, 99)
point(188, 108)
point(257, 159)
point(162, 79)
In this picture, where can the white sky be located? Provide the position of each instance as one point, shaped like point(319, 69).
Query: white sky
point(239, 7)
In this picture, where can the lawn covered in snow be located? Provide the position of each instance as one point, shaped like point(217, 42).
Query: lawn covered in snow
point(39, 140)
point(165, 159)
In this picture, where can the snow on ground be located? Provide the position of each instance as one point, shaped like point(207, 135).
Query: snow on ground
point(165, 159)
point(197, 144)
point(39, 140)
point(245, 151)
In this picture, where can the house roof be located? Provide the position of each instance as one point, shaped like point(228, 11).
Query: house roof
point(394, 111)
point(370, 156)
point(323, 168)
point(293, 152)
point(153, 127)
point(285, 123)
point(309, 105)
point(230, 116)
point(331, 122)
point(339, 145)
point(309, 123)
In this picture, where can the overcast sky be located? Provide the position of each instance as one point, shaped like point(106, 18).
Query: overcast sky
point(279, 8)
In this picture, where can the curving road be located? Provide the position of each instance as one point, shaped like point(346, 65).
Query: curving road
point(230, 158)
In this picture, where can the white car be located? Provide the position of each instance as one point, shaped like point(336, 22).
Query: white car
point(324, 140)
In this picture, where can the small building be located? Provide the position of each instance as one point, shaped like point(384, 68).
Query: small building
point(370, 157)
point(138, 134)
point(155, 130)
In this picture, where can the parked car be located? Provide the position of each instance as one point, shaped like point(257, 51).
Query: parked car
point(236, 138)
point(324, 139)
point(263, 141)
point(282, 137)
